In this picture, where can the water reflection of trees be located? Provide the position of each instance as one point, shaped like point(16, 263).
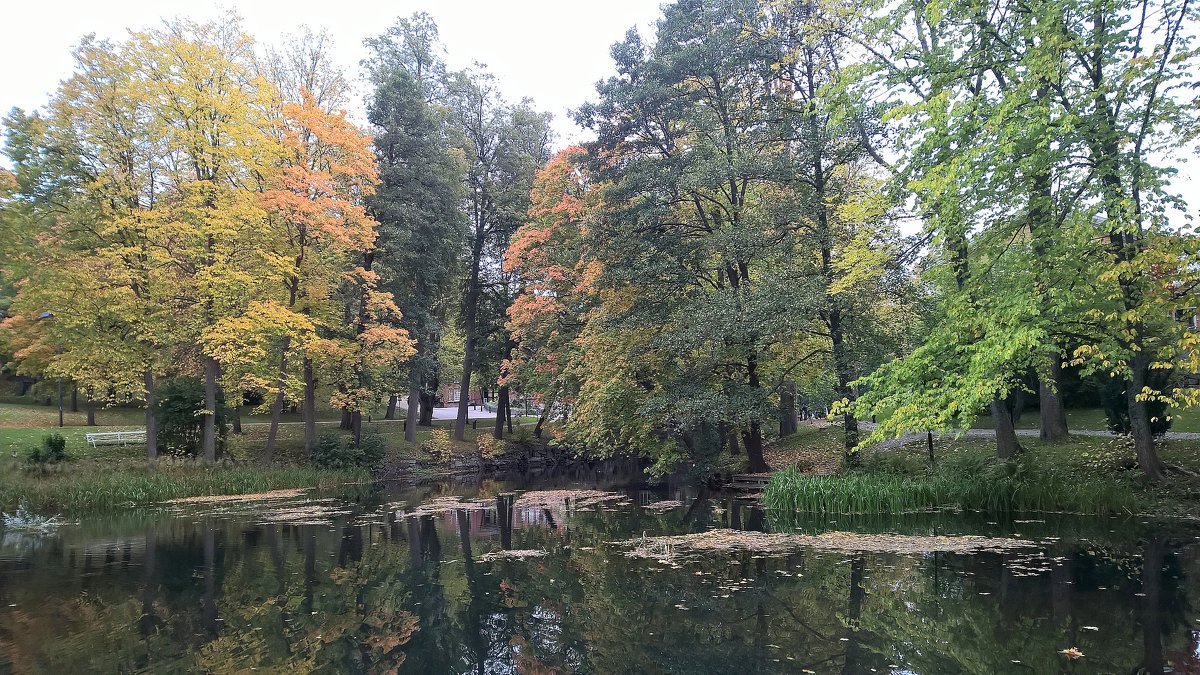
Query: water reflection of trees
point(412, 594)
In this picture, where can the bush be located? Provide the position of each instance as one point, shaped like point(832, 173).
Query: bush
point(896, 463)
point(489, 447)
point(438, 445)
point(373, 450)
point(335, 451)
point(180, 420)
point(522, 435)
point(52, 451)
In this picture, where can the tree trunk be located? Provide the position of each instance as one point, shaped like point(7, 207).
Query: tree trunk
point(502, 404)
point(393, 403)
point(752, 438)
point(91, 409)
point(787, 409)
point(547, 404)
point(237, 415)
point(356, 425)
point(151, 420)
point(425, 415)
point(1006, 435)
point(410, 415)
point(1139, 419)
point(75, 398)
point(1050, 402)
point(277, 406)
point(472, 309)
point(210, 409)
point(309, 412)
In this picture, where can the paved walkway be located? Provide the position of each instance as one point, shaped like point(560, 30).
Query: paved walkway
point(442, 414)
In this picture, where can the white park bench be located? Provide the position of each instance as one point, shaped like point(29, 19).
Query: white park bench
point(116, 437)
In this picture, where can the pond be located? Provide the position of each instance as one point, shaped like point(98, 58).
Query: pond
point(415, 580)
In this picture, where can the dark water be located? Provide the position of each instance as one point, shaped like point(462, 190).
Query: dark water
point(373, 590)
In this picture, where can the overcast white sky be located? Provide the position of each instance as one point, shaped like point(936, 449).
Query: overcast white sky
point(552, 51)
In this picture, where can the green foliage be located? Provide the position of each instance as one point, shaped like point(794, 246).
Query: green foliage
point(337, 451)
point(180, 419)
point(52, 451)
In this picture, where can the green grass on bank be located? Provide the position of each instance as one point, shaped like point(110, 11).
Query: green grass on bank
point(114, 476)
point(1083, 475)
point(105, 486)
point(1090, 419)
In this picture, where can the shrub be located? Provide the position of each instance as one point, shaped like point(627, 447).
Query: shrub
point(896, 463)
point(335, 451)
point(522, 435)
point(489, 447)
point(52, 451)
point(373, 450)
point(180, 420)
point(438, 445)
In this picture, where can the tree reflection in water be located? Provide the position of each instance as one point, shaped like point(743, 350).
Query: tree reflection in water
point(378, 592)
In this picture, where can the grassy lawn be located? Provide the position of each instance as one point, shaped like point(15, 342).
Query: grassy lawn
point(1083, 475)
point(1089, 418)
point(114, 476)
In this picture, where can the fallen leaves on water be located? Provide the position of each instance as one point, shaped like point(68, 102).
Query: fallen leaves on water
point(315, 514)
point(441, 505)
point(664, 548)
point(1072, 653)
point(549, 499)
point(516, 554)
point(255, 497)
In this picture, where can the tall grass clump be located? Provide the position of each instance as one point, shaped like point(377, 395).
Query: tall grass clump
point(968, 483)
point(101, 489)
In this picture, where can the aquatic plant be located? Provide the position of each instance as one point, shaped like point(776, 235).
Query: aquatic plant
point(1004, 488)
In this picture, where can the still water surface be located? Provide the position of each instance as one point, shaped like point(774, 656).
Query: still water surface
point(363, 586)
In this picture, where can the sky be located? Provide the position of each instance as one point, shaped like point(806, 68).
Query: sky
point(552, 51)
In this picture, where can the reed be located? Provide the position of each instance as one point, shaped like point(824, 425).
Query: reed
point(106, 488)
point(999, 488)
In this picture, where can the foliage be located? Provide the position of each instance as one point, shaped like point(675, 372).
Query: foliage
point(489, 447)
point(437, 445)
point(336, 451)
point(179, 416)
point(52, 451)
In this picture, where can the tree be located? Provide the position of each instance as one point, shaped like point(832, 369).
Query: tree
point(418, 204)
point(315, 199)
point(504, 146)
point(546, 319)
